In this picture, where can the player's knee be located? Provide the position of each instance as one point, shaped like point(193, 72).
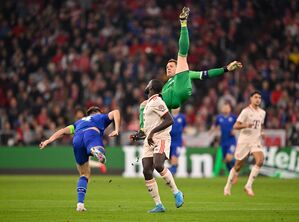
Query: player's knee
point(159, 167)
point(260, 162)
point(147, 173)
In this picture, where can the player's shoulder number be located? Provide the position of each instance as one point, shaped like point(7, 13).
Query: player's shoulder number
point(87, 118)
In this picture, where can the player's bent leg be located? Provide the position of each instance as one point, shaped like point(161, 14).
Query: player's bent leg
point(259, 159)
point(84, 171)
point(167, 176)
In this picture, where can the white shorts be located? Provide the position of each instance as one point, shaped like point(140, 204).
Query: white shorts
point(162, 145)
point(243, 149)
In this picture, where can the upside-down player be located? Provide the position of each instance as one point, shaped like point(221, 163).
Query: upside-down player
point(250, 122)
point(178, 88)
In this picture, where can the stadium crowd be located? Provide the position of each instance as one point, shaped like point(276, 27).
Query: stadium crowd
point(58, 55)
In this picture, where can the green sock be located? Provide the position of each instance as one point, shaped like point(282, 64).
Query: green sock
point(184, 40)
point(141, 123)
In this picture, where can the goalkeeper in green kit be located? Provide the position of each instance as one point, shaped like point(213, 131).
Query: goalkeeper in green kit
point(178, 88)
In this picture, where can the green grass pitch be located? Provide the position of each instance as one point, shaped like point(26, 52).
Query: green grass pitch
point(113, 198)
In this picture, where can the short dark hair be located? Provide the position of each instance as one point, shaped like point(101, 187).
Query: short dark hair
point(157, 85)
point(256, 92)
point(172, 60)
point(93, 109)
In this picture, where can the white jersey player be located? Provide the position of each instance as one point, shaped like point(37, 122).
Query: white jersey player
point(250, 122)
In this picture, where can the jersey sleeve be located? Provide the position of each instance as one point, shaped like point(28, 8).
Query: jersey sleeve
point(102, 120)
point(106, 119)
point(242, 117)
point(160, 107)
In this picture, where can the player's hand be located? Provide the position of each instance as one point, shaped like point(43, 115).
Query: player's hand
point(150, 140)
point(234, 65)
point(114, 133)
point(43, 144)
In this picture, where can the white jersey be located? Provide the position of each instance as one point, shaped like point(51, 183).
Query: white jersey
point(256, 117)
point(152, 115)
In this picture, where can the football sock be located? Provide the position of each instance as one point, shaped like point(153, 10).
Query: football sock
point(81, 188)
point(167, 176)
point(232, 174)
point(184, 39)
point(173, 169)
point(253, 174)
point(152, 188)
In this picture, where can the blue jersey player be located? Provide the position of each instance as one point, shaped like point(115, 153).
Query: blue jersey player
point(226, 121)
point(88, 132)
point(176, 138)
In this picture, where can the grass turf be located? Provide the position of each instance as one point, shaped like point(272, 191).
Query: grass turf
point(112, 198)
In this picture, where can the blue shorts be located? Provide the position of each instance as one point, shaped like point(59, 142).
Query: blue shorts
point(228, 148)
point(175, 150)
point(83, 142)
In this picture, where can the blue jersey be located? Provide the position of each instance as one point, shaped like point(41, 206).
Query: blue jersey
point(100, 121)
point(226, 124)
point(179, 123)
point(84, 140)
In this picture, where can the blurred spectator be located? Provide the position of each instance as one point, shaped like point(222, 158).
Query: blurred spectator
point(55, 55)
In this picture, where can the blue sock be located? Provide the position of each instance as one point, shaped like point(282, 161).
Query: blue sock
point(173, 169)
point(81, 188)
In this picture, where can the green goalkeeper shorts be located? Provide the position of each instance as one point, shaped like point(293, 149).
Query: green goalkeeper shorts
point(177, 90)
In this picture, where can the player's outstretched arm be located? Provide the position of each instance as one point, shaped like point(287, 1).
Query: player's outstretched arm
point(166, 122)
point(58, 134)
point(211, 73)
point(115, 115)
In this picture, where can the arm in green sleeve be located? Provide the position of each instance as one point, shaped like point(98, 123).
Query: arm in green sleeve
point(207, 74)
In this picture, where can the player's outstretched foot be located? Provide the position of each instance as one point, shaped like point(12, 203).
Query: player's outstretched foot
point(185, 13)
point(80, 207)
point(99, 155)
point(179, 199)
point(103, 168)
point(159, 208)
point(226, 191)
point(249, 191)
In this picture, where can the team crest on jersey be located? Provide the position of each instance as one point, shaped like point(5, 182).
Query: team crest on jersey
point(161, 108)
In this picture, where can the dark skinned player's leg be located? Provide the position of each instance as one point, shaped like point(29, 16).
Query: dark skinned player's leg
point(150, 182)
